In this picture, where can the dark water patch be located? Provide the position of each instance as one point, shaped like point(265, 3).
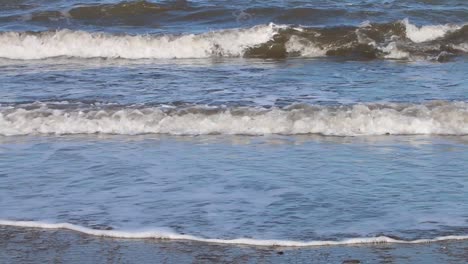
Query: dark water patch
point(9, 5)
point(310, 16)
point(441, 16)
point(47, 16)
point(120, 10)
point(457, 37)
point(174, 15)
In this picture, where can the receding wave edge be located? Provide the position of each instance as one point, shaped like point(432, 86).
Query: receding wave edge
point(164, 235)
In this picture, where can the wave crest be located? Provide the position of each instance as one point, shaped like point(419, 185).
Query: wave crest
point(398, 40)
point(440, 118)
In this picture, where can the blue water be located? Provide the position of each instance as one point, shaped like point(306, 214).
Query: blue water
point(221, 144)
point(296, 188)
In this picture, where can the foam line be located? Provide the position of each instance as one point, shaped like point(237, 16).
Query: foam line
point(154, 234)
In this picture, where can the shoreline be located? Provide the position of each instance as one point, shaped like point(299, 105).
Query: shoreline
point(108, 232)
point(33, 245)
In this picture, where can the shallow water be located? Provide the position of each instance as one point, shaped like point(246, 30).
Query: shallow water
point(271, 187)
point(200, 120)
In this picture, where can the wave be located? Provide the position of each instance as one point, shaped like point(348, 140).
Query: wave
point(122, 10)
point(150, 14)
point(165, 235)
point(125, 10)
point(180, 11)
point(437, 118)
point(229, 43)
point(398, 40)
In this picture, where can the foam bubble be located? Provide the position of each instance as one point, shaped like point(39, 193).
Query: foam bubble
point(443, 118)
point(157, 234)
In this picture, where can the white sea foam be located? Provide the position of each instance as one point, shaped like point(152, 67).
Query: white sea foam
point(445, 118)
point(157, 234)
point(15, 45)
point(427, 33)
point(224, 43)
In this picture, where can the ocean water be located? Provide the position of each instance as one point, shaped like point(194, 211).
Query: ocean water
point(291, 123)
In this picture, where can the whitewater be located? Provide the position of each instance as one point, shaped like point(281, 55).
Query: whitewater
point(211, 131)
point(241, 42)
point(438, 118)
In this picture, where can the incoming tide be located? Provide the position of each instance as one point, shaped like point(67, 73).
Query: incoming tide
point(283, 123)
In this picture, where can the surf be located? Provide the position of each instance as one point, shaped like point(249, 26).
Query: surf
point(397, 40)
point(435, 118)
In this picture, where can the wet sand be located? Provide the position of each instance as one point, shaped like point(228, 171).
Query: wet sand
point(30, 245)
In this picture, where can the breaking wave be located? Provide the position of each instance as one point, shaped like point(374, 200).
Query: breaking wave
point(165, 235)
point(230, 43)
point(440, 118)
point(398, 40)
